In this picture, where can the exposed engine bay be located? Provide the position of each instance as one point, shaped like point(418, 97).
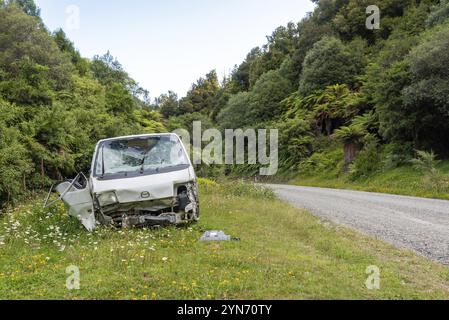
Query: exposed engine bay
point(182, 208)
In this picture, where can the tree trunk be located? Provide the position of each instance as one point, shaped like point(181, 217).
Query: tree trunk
point(328, 123)
point(351, 150)
point(42, 172)
point(59, 175)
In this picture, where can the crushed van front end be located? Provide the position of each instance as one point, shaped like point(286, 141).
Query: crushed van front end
point(135, 181)
point(130, 207)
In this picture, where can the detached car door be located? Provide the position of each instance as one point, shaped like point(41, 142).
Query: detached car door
point(77, 195)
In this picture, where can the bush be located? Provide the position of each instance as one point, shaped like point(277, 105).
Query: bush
point(327, 163)
point(396, 154)
point(427, 163)
point(330, 62)
point(439, 14)
point(369, 159)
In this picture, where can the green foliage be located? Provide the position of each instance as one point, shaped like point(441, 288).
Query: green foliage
point(266, 97)
point(15, 164)
point(150, 121)
point(65, 45)
point(330, 62)
point(202, 97)
point(185, 121)
point(426, 97)
point(387, 84)
point(30, 61)
point(350, 19)
point(369, 159)
point(397, 154)
point(168, 104)
point(350, 134)
point(55, 105)
point(332, 106)
point(295, 142)
point(28, 6)
point(280, 43)
point(323, 163)
point(439, 14)
point(236, 112)
point(381, 92)
point(427, 163)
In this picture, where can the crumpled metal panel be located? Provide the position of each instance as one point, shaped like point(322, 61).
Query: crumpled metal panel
point(145, 188)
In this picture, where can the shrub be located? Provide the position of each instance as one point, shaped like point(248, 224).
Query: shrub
point(369, 159)
point(439, 14)
point(396, 154)
point(427, 163)
point(327, 162)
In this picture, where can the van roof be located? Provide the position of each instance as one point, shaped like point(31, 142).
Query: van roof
point(139, 136)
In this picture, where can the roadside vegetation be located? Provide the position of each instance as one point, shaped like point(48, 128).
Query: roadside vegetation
point(55, 105)
point(422, 176)
point(284, 253)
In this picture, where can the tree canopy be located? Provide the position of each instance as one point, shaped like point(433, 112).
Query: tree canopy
point(55, 105)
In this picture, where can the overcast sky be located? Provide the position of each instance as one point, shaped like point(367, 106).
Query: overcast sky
point(168, 44)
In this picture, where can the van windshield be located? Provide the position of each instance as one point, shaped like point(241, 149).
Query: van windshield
point(139, 156)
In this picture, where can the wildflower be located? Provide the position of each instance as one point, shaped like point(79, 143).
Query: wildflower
point(165, 259)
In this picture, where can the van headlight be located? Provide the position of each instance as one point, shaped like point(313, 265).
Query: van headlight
point(107, 199)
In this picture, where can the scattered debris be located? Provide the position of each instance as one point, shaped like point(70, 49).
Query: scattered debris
point(217, 236)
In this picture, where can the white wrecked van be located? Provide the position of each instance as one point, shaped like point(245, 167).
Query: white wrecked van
point(135, 181)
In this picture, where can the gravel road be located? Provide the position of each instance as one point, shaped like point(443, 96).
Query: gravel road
point(406, 222)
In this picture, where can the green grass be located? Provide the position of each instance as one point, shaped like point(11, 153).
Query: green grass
point(403, 180)
point(284, 253)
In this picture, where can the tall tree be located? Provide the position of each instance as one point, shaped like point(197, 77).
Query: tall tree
point(202, 97)
point(28, 6)
point(168, 104)
point(330, 62)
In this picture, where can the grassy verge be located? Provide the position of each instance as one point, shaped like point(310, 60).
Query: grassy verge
point(284, 253)
point(403, 180)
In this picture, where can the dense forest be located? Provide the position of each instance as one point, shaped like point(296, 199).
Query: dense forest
point(341, 95)
point(55, 104)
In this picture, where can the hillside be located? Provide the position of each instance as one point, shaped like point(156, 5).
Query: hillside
point(348, 101)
